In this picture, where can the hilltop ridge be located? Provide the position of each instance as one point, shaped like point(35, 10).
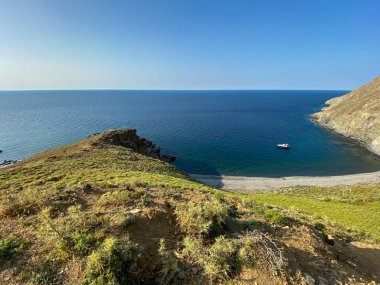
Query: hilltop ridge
point(355, 115)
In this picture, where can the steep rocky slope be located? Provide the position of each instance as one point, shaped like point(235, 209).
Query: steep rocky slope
point(355, 115)
point(108, 210)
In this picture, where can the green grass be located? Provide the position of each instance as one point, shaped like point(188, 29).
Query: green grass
point(356, 208)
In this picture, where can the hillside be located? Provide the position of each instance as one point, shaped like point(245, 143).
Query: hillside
point(355, 115)
point(110, 210)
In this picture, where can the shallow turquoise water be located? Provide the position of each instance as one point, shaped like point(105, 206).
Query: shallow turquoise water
point(211, 132)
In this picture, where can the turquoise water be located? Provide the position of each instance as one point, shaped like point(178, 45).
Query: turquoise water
point(210, 132)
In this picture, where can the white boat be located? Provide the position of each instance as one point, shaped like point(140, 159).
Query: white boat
point(283, 146)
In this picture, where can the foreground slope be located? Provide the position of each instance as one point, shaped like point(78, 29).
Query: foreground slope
point(355, 115)
point(109, 210)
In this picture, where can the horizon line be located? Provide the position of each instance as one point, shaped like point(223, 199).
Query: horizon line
point(137, 89)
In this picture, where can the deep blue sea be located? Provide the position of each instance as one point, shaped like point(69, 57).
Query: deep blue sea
point(210, 132)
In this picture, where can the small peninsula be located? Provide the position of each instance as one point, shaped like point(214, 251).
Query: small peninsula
point(355, 115)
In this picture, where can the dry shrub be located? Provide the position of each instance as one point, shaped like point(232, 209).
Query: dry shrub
point(259, 249)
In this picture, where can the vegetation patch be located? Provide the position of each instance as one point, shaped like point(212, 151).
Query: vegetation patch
point(169, 263)
point(25, 202)
point(123, 219)
point(204, 218)
point(361, 217)
point(74, 234)
point(115, 262)
point(45, 272)
point(258, 249)
point(10, 247)
point(221, 259)
point(120, 197)
point(275, 216)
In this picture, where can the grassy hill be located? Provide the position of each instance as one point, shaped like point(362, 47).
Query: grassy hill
point(109, 210)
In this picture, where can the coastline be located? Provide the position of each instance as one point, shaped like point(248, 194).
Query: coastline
point(248, 184)
point(356, 140)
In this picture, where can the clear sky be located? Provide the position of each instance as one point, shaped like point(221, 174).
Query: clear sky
point(188, 44)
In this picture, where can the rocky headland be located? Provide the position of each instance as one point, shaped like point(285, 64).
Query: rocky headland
point(355, 115)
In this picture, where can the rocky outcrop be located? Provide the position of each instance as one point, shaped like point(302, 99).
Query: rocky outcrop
point(355, 115)
point(130, 139)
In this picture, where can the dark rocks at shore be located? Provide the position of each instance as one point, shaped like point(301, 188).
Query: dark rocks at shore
point(129, 138)
point(8, 162)
point(168, 158)
point(95, 134)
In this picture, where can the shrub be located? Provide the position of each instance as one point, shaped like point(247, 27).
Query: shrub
point(123, 220)
point(169, 263)
point(75, 234)
point(26, 202)
point(10, 246)
point(257, 248)
point(201, 219)
point(275, 216)
point(221, 259)
point(321, 227)
point(113, 263)
point(45, 273)
point(119, 197)
point(193, 248)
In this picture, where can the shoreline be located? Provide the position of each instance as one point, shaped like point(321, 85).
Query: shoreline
point(248, 184)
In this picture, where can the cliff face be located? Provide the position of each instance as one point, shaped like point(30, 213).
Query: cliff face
point(355, 115)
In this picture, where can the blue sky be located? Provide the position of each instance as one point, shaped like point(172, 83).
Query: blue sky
point(178, 44)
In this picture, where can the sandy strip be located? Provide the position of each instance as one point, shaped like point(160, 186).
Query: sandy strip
point(268, 184)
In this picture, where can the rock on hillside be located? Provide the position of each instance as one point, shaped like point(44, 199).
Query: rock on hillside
point(129, 138)
point(355, 115)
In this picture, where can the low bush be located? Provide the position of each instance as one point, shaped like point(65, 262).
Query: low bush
point(193, 248)
point(275, 216)
point(11, 246)
point(119, 197)
point(259, 249)
point(319, 226)
point(75, 234)
point(123, 220)
point(45, 273)
point(26, 202)
point(201, 219)
point(115, 262)
point(221, 259)
point(168, 262)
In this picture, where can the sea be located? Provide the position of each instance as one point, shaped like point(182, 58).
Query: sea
point(213, 132)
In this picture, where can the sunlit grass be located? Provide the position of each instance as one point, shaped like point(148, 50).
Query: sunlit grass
point(355, 208)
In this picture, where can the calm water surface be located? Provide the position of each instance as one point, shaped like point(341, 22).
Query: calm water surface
point(210, 132)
